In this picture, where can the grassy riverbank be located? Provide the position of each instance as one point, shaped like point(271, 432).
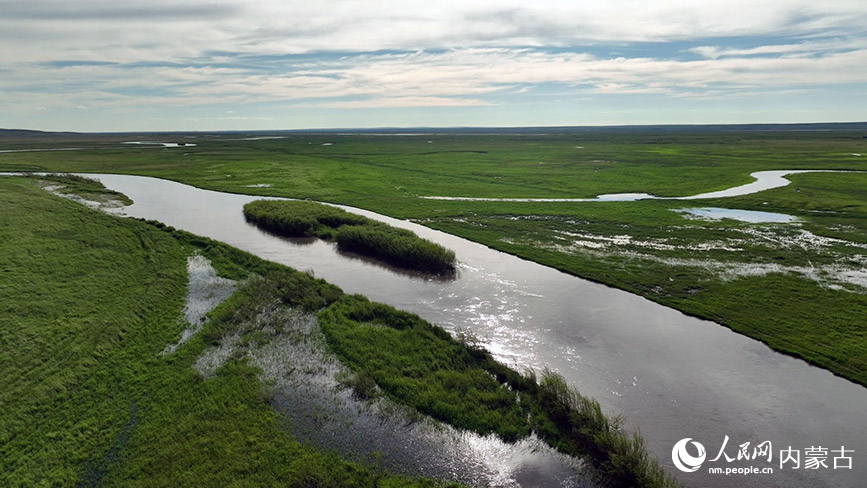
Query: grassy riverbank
point(800, 288)
point(351, 232)
point(85, 188)
point(457, 382)
point(87, 303)
point(807, 298)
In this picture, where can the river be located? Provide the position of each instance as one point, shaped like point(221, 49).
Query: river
point(672, 376)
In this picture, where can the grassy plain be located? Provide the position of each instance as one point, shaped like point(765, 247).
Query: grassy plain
point(790, 285)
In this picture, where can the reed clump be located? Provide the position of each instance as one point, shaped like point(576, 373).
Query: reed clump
point(352, 232)
point(458, 382)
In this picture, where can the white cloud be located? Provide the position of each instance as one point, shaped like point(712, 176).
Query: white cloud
point(165, 30)
point(344, 54)
point(393, 102)
point(802, 48)
point(459, 77)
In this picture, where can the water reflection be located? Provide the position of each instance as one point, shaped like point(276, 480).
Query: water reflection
point(367, 260)
point(409, 273)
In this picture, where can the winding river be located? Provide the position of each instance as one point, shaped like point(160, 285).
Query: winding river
point(765, 180)
point(671, 375)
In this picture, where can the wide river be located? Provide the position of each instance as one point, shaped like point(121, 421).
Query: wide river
point(671, 375)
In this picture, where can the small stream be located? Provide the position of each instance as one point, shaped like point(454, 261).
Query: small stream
point(765, 180)
point(671, 375)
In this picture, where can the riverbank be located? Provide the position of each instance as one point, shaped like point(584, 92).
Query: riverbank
point(615, 460)
point(459, 382)
point(89, 302)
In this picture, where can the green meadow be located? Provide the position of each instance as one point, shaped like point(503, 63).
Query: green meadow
point(799, 287)
point(87, 303)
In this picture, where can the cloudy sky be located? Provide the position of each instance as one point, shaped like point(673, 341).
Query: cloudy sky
point(94, 65)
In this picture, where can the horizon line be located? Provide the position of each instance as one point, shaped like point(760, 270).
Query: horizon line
point(854, 125)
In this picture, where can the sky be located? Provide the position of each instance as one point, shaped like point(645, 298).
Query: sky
point(201, 65)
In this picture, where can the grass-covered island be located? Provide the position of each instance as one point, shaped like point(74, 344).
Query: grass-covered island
point(352, 232)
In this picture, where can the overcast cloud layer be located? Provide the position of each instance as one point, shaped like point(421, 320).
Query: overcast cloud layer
point(203, 65)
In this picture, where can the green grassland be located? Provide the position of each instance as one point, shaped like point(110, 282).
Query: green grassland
point(387, 172)
point(694, 266)
point(87, 303)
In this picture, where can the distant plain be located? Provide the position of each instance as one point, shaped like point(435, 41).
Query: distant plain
point(798, 286)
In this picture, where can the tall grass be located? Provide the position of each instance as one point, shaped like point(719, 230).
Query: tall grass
point(352, 232)
point(421, 366)
point(398, 246)
point(299, 219)
point(458, 382)
point(581, 427)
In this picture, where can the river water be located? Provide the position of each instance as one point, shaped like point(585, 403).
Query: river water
point(671, 375)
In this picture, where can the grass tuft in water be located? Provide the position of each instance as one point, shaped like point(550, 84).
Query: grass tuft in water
point(351, 232)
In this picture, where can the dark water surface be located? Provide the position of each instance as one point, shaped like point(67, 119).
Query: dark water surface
point(671, 375)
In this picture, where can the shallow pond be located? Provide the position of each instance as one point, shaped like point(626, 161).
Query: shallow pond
point(671, 375)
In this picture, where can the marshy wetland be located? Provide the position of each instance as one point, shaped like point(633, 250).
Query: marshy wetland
point(796, 285)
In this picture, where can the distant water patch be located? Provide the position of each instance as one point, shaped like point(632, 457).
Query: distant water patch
point(751, 216)
point(162, 144)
